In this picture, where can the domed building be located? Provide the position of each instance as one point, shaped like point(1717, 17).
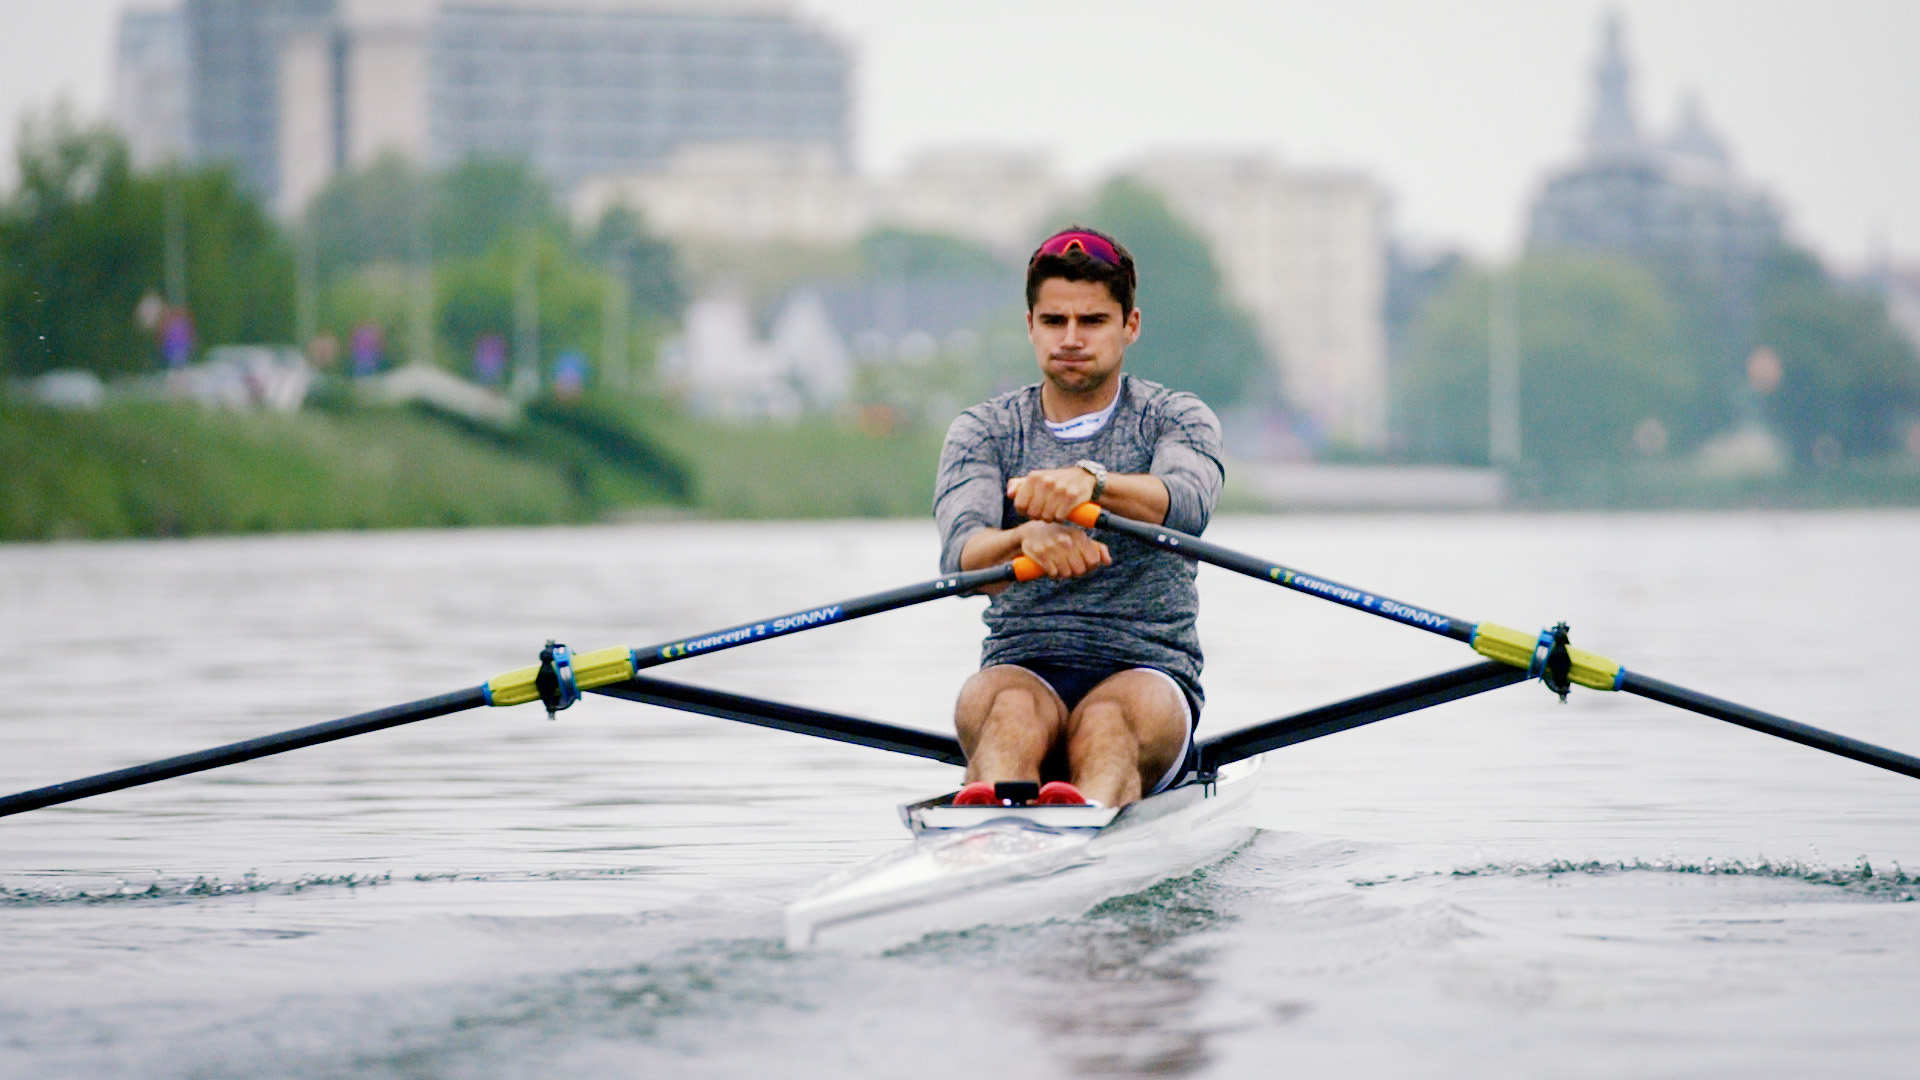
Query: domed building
point(1676, 203)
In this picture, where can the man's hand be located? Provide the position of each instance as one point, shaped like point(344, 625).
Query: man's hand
point(1063, 551)
point(1050, 494)
point(1045, 498)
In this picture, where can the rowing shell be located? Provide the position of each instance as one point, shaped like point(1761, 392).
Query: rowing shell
point(977, 865)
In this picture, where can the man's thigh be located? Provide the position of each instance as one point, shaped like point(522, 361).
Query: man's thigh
point(1154, 710)
point(1009, 687)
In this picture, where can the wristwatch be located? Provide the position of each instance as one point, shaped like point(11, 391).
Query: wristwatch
point(1099, 472)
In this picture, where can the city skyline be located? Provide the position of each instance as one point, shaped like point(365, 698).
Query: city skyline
point(1482, 100)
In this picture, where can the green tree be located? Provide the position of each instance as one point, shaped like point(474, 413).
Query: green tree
point(82, 242)
point(373, 215)
point(476, 297)
point(479, 222)
point(392, 212)
point(651, 266)
point(485, 200)
point(1602, 351)
point(1192, 337)
point(1846, 373)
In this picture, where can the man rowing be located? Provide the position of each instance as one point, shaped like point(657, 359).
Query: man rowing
point(1090, 677)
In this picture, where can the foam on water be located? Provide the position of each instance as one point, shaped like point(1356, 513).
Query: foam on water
point(1861, 878)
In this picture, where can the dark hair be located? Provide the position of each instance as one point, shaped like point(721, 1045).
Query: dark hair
point(1077, 265)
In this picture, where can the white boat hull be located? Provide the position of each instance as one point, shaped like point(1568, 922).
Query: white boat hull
point(970, 867)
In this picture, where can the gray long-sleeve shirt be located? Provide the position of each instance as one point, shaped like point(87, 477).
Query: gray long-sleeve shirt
point(1139, 611)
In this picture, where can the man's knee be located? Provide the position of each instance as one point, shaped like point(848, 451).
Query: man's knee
point(1100, 718)
point(1141, 707)
point(989, 688)
point(1147, 699)
point(1005, 694)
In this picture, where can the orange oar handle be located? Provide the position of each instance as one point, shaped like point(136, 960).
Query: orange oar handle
point(1086, 515)
point(1025, 569)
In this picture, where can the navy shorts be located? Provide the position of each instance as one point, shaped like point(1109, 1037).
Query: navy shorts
point(1074, 681)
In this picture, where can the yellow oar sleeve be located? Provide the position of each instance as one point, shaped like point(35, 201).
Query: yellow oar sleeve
point(600, 668)
point(1593, 671)
point(1505, 644)
point(514, 688)
point(1515, 648)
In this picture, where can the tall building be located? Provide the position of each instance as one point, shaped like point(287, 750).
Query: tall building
point(1306, 254)
point(352, 87)
point(149, 97)
point(233, 91)
point(749, 192)
point(294, 91)
point(1001, 199)
point(591, 90)
point(1676, 203)
point(760, 191)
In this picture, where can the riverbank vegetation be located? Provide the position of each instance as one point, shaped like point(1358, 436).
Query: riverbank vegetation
point(144, 468)
point(1616, 363)
point(155, 469)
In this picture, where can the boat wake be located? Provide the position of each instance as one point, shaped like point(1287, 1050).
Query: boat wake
point(180, 889)
point(1862, 878)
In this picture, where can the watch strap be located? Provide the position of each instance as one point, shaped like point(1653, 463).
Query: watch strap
point(1099, 474)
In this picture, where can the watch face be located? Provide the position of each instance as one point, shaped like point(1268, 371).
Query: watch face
point(1098, 472)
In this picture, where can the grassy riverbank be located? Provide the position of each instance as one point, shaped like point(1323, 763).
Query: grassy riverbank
point(152, 469)
point(163, 470)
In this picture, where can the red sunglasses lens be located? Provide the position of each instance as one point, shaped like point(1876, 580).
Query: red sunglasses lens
point(1090, 245)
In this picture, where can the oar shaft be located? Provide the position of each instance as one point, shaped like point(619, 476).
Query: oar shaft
point(247, 750)
point(606, 667)
point(1357, 712)
point(859, 607)
point(1791, 730)
point(795, 718)
point(1495, 642)
point(1213, 554)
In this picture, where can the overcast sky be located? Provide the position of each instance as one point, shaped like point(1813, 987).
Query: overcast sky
point(1457, 107)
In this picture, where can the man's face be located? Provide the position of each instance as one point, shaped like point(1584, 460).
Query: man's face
point(1079, 333)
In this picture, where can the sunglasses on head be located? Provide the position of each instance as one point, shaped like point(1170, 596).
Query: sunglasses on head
point(1094, 247)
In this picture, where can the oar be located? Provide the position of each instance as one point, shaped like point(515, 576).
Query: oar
point(1546, 655)
point(1356, 712)
point(1792, 730)
point(1220, 750)
point(557, 680)
point(234, 753)
point(779, 715)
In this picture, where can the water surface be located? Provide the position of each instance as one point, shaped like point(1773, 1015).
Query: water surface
point(1503, 886)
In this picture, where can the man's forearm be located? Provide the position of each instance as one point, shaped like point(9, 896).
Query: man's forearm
point(1061, 551)
point(1051, 494)
point(989, 547)
point(1140, 496)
